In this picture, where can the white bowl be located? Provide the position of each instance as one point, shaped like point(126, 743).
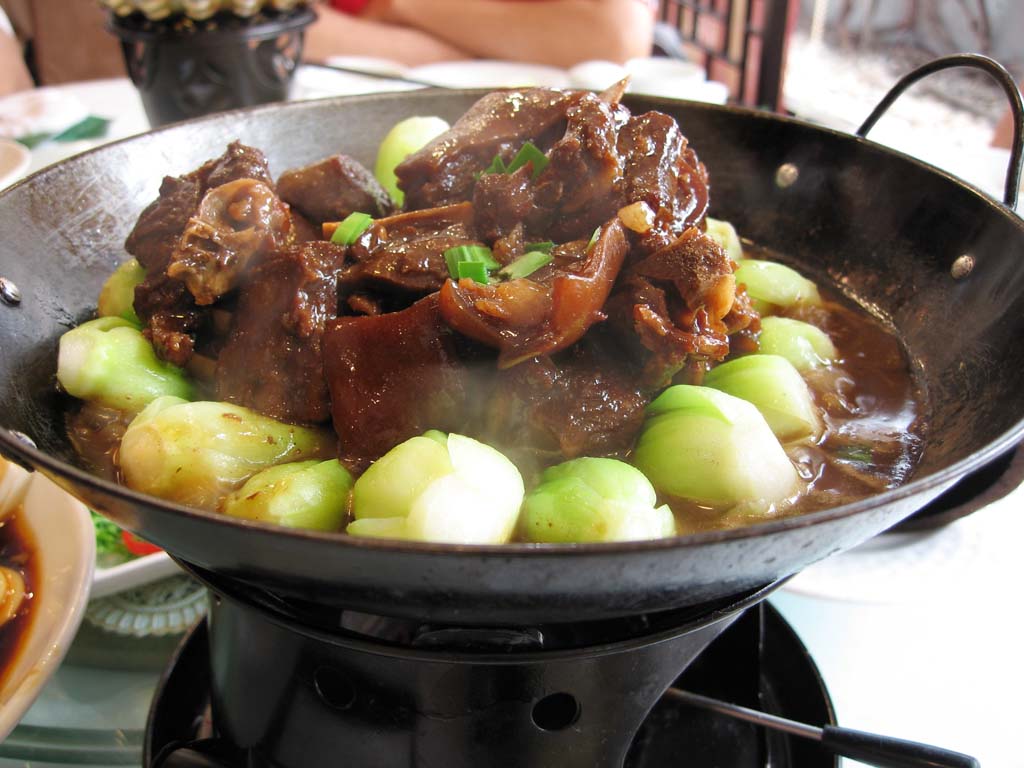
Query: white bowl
point(65, 552)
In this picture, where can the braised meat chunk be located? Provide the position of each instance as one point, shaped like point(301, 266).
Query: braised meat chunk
point(698, 268)
point(405, 252)
point(235, 223)
point(580, 188)
point(539, 314)
point(585, 402)
point(665, 174)
point(332, 189)
point(272, 359)
point(392, 377)
point(445, 170)
point(171, 300)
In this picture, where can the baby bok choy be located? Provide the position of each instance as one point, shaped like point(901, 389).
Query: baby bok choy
point(775, 388)
point(594, 499)
point(806, 346)
point(406, 137)
point(724, 233)
point(303, 494)
point(774, 286)
point(109, 361)
point(117, 297)
point(437, 487)
point(196, 453)
point(707, 446)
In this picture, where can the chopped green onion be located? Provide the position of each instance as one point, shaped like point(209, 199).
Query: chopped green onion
point(858, 454)
point(351, 227)
point(461, 253)
point(593, 238)
point(525, 265)
point(497, 166)
point(528, 153)
point(475, 270)
point(543, 247)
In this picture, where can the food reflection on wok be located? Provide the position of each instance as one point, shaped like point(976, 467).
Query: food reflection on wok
point(547, 340)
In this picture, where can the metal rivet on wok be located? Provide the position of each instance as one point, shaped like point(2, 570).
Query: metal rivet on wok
point(9, 292)
point(962, 267)
point(786, 175)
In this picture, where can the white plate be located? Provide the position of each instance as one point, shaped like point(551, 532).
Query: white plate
point(312, 82)
point(65, 552)
point(14, 160)
point(490, 74)
point(134, 573)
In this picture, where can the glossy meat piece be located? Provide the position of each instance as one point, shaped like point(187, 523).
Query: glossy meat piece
point(160, 225)
point(585, 403)
point(405, 252)
point(235, 223)
point(272, 359)
point(700, 270)
point(444, 170)
point(392, 377)
point(170, 315)
point(332, 189)
point(526, 317)
point(239, 161)
point(669, 334)
point(662, 171)
point(579, 188)
point(501, 202)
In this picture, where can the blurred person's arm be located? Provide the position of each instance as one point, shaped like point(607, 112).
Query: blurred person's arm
point(556, 32)
point(338, 34)
point(13, 72)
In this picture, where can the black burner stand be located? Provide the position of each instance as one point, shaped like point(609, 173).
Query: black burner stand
point(565, 696)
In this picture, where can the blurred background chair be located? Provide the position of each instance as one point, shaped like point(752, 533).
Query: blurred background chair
point(741, 43)
point(65, 40)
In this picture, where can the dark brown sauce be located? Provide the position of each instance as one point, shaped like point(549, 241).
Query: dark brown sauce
point(95, 432)
point(872, 406)
point(17, 552)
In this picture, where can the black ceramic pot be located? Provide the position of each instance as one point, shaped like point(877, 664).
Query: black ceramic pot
point(186, 69)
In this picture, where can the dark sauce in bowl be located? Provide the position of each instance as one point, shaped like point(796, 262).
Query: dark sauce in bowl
point(17, 553)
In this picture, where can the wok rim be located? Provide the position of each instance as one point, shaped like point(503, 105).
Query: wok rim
point(37, 459)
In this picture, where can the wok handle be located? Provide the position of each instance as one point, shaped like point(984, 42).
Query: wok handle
point(1000, 75)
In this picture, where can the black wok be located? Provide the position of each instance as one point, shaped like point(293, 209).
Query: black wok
point(883, 227)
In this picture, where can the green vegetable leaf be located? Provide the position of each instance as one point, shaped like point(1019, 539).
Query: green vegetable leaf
point(109, 544)
point(92, 127)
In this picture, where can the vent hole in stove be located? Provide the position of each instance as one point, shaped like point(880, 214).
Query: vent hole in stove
point(334, 688)
point(556, 712)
